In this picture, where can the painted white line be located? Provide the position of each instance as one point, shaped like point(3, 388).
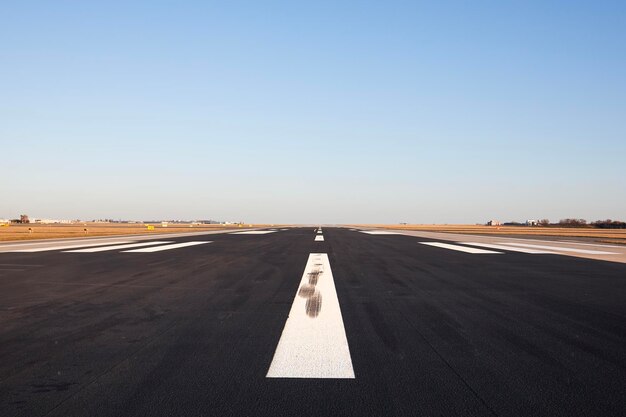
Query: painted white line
point(458, 248)
point(542, 241)
point(319, 232)
point(319, 238)
point(570, 242)
point(505, 247)
point(562, 249)
point(378, 232)
point(106, 248)
point(166, 247)
point(254, 232)
point(69, 246)
point(314, 343)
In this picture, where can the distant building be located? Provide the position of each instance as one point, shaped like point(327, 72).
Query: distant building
point(52, 221)
point(532, 223)
point(494, 223)
point(24, 218)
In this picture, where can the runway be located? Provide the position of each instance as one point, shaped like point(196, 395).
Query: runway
point(308, 322)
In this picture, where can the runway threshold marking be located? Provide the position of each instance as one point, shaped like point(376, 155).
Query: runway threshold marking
point(319, 238)
point(562, 249)
point(166, 247)
point(114, 247)
point(459, 248)
point(506, 247)
point(69, 246)
point(313, 343)
point(254, 232)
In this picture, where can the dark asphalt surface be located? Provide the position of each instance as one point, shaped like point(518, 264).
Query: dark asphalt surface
point(192, 331)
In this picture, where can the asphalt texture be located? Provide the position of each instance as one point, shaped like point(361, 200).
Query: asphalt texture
point(192, 331)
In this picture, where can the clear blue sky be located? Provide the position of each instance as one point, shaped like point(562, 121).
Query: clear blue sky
point(426, 112)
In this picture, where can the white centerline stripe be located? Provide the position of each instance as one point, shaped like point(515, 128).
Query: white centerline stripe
point(562, 249)
point(458, 248)
point(254, 232)
point(106, 248)
point(314, 343)
point(167, 247)
point(505, 247)
point(319, 238)
point(69, 246)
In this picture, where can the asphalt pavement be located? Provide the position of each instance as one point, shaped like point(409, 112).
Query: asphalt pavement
point(287, 324)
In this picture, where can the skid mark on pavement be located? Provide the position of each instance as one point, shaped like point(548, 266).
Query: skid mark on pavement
point(313, 343)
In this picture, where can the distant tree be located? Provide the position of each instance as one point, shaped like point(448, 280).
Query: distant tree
point(572, 222)
point(609, 224)
point(544, 222)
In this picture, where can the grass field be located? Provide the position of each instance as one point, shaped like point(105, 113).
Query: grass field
point(600, 235)
point(57, 231)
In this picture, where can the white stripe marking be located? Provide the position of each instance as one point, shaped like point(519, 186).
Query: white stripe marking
point(68, 246)
point(167, 247)
point(254, 232)
point(458, 248)
point(504, 247)
point(106, 248)
point(569, 242)
point(314, 343)
point(378, 232)
point(319, 238)
point(558, 248)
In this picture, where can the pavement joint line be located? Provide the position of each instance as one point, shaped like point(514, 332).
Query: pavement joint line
point(563, 249)
point(458, 248)
point(133, 236)
point(379, 232)
point(506, 247)
point(70, 246)
point(313, 343)
point(114, 247)
point(588, 244)
point(254, 232)
point(90, 284)
point(523, 239)
point(166, 247)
